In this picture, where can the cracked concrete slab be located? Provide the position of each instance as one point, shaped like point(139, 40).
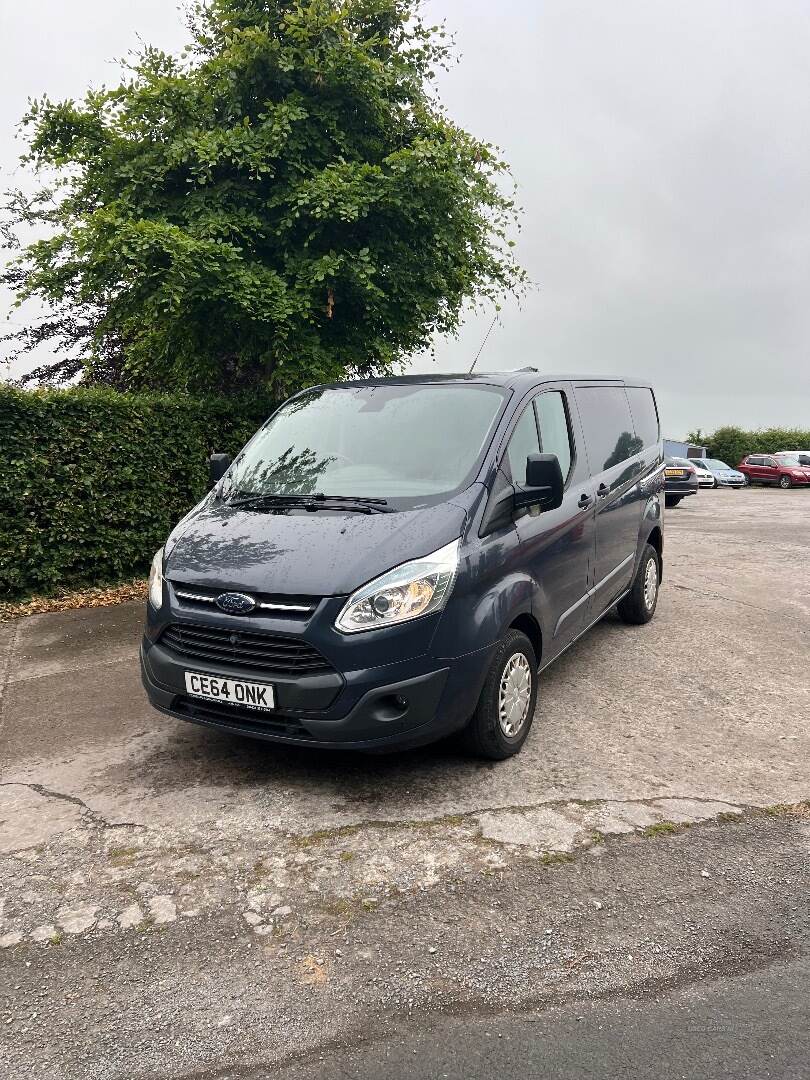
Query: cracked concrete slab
point(541, 828)
point(28, 819)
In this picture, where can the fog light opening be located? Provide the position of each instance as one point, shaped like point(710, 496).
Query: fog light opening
point(391, 707)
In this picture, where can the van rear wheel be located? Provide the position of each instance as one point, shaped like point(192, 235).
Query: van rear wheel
point(638, 606)
point(503, 717)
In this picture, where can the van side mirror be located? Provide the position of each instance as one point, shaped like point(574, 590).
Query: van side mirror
point(544, 483)
point(218, 465)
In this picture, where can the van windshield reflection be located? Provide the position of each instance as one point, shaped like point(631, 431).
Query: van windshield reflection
point(390, 441)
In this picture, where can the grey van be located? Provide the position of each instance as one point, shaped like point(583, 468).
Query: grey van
point(389, 561)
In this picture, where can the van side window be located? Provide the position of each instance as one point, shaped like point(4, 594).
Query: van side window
point(552, 420)
point(608, 426)
point(645, 416)
point(524, 441)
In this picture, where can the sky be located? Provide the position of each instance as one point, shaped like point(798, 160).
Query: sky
point(662, 156)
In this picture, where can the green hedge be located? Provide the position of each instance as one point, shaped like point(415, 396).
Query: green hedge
point(731, 444)
point(93, 480)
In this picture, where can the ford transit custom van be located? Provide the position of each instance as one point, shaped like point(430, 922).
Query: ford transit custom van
point(389, 561)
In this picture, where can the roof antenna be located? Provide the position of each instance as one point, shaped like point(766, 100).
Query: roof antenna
point(483, 343)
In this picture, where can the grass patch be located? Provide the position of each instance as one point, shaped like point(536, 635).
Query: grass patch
point(335, 905)
point(122, 856)
point(664, 828)
point(322, 836)
point(257, 872)
point(555, 858)
point(789, 810)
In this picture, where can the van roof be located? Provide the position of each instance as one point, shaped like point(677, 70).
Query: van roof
point(518, 379)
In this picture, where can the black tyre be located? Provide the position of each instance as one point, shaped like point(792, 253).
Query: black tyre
point(672, 500)
point(505, 711)
point(715, 484)
point(638, 607)
point(785, 482)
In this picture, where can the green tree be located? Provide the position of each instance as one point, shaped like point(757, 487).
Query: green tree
point(286, 202)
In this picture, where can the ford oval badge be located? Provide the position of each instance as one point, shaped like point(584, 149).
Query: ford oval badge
point(235, 603)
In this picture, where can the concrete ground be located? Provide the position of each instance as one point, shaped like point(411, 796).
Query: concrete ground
point(179, 903)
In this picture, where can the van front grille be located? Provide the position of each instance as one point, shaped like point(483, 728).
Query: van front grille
point(270, 605)
point(272, 653)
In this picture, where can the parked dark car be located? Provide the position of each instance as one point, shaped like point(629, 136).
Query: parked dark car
point(391, 560)
point(784, 470)
point(680, 480)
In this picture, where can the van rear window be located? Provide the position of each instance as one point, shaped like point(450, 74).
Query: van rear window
point(645, 416)
point(609, 433)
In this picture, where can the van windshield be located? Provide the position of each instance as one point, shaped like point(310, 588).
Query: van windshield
point(392, 441)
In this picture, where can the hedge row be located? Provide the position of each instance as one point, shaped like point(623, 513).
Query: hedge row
point(731, 444)
point(93, 480)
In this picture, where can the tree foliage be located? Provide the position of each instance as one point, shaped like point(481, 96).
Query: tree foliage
point(286, 202)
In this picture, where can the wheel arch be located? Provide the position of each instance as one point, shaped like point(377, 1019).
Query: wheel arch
point(528, 625)
point(655, 537)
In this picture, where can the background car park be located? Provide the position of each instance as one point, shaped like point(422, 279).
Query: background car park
point(680, 480)
point(784, 470)
point(705, 477)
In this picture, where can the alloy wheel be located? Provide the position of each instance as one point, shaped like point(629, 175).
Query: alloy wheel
point(514, 695)
point(650, 584)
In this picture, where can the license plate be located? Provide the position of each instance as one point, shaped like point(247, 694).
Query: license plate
point(680, 473)
point(231, 691)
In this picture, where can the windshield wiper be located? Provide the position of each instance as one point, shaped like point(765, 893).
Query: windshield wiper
point(317, 501)
point(375, 505)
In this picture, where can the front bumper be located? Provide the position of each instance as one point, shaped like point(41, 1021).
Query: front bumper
point(728, 481)
point(356, 710)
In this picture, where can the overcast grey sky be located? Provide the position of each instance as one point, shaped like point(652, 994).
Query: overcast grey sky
point(662, 154)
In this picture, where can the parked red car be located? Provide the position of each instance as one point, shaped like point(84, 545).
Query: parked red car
point(786, 470)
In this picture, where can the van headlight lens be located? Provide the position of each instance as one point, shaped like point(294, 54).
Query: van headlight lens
point(156, 581)
point(406, 592)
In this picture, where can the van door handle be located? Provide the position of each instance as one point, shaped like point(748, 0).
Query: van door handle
point(602, 491)
point(584, 501)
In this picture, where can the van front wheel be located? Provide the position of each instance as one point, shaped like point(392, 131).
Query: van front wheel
point(638, 606)
point(505, 710)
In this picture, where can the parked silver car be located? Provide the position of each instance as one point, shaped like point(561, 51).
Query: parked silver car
point(723, 475)
point(705, 477)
